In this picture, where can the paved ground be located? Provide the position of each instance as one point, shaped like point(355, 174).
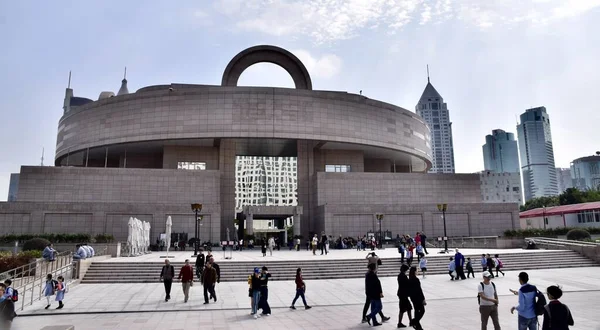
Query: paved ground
point(337, 304)
point(284, 254)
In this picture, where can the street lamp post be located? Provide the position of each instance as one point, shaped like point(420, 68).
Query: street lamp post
point(197, 208)
point(442, 208)
point(544, 216)
point(379, 217)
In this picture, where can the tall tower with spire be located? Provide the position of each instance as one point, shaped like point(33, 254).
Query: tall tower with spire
point(434, 111)
point(123, 90)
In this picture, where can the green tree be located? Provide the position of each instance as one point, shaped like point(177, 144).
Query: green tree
point(572, 196)
point(540, 202)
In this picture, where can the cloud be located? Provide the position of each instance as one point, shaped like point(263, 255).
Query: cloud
point(326, 66)
point(332, 20)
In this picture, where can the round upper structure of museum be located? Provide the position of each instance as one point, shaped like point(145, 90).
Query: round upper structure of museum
point(142, 129)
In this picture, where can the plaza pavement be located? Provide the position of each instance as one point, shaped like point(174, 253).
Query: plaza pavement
point(337, 304)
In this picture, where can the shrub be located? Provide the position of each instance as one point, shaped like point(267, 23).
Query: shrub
point(104, 238)
point(35, 244)
point(31, 254)
point(578, 235)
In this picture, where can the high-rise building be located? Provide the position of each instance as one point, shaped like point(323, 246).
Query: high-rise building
point(585, 172)
point(434, 111)
point(563, 178)
point(537, 154)
point(13, 187)
point(500, 153)
point(270, 181)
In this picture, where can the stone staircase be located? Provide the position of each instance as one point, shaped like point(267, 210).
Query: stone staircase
point(147, 272)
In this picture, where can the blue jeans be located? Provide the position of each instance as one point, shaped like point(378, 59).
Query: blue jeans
point(299, 293)
point(255, 300)
point(527, 324)
point(376, 307)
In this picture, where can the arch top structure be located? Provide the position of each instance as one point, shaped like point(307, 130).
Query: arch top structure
point(268, 54)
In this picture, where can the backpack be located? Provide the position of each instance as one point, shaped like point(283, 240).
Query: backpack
point(15, 295)
point(500, 264)
point(540, 302)
point(483, 289)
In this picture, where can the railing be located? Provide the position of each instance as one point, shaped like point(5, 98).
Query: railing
point(560, 242)
point(466, 242)
point(30, 279)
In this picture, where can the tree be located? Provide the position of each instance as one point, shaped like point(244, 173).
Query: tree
point(540, 202)
point(571, 196)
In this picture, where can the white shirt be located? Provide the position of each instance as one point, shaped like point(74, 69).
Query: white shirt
point(488, 292)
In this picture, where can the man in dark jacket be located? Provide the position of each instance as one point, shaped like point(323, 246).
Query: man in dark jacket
point(210, 278)
point(423, 242)
point(216, 267)
point(374, 293)
point(264, 291)
point(459, 261)
point(200, 261)
point(323, 241)
point(557, 315)
point(403, 290)
point(166, 275)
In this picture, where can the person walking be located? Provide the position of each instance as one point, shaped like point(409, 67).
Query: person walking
point(374, 294)
point(186, 275)
point(401, 250)
point(403, 291)
point(526, 307)
point(7, 309)
point(419, 251)
point(210, 278)
point(49, 289)
point(372, 258)
point(459, 259)
point(424, 242)
point(255, 288)
point(417, 238)
point(409, 254)
point(557, 315)
point(60, 292)
point(358, 243)
point(452, 269)
point(483, 262)
point(323, 242)
point(488, 302)
point(200, 262)
point(300, 290)
point(166, 275)
point(264, 291)
point(417, 297)
point(314, 243)
point(8, 290)
point(470, 269)
point(423, 265)
point(490, 264)
point(499, 264)
point(271, 246)
point(263, 247)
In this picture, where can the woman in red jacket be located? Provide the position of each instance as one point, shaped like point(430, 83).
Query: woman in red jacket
point(300, 289)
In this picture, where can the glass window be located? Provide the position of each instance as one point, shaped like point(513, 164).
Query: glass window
point(434, 106)
point(337, 168)
point(191, 165)
point(516, 189)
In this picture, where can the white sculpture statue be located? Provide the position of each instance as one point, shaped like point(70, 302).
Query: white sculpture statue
point(130, 234)
point(168, 229)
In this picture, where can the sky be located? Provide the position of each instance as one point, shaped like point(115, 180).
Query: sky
point(490, 60)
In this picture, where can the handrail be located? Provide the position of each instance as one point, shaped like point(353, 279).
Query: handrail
point(28, 269)
point(561, 241)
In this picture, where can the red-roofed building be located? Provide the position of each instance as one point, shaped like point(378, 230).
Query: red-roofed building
point(575, 215)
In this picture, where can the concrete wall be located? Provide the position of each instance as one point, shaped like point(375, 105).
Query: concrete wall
point(472, 219)
point(197, 111)
point(109, 218)
point(118, 185)
point(397, 188)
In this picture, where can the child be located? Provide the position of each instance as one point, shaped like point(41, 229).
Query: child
point(419, 251)
point(470, 268)
point(499, 265)
point(451, 269)
point(49, 289)
point(263, 248)
point(423, 265)
point(483, 262)
point(556, 314)
point(409, 255)
point(60, 292)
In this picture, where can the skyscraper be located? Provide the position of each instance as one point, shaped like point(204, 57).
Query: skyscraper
point(500, 153)
point(563, 179)
point(537, 154)
point(434, 111)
